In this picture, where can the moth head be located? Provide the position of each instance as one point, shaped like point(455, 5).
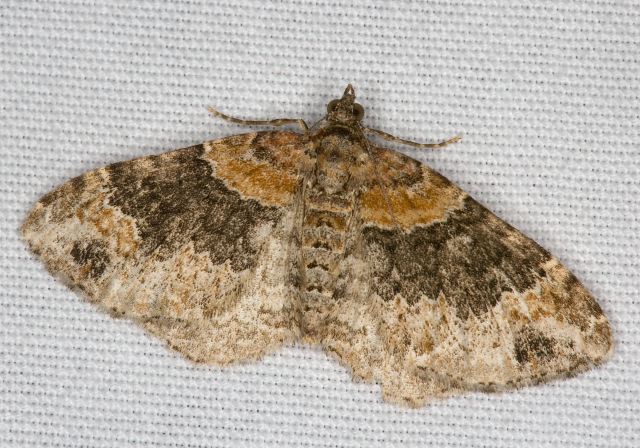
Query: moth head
point(345, 110)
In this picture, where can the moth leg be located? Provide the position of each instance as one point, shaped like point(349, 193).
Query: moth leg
point(276, 122)
point(393, 138)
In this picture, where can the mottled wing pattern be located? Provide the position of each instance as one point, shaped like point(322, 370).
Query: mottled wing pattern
point(427, 292)
point(456, 299)
point(172, 242)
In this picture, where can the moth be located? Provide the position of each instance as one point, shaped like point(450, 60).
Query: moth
point(229, 249)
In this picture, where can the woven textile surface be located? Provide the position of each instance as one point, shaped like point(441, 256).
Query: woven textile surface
point(546, 95)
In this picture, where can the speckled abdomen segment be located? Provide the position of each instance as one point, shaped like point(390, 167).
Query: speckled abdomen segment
point(325, 229)
point(324, 234)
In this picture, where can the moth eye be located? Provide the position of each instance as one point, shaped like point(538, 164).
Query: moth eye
point(332, 105)
point(358, 111)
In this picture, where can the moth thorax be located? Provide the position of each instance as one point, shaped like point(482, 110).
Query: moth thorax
point(337, 156)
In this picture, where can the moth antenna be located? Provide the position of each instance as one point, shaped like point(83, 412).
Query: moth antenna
point(276, 122)
point(393, 138)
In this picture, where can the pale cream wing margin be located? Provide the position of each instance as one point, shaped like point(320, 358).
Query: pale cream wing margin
point(184, 243)
point(450, 298)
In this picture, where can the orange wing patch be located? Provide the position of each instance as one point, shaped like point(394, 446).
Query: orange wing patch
point(413, 193)
point(262, 166)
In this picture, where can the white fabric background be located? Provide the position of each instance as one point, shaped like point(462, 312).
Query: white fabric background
point(547, 96)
